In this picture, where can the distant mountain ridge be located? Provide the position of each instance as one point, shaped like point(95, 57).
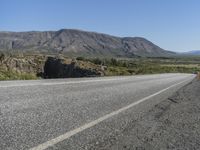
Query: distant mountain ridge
point(80, 43)
point(194, 52)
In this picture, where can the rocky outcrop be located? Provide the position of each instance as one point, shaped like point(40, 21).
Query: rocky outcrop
point(21, 64)
point(59, 68)
point(48, 66)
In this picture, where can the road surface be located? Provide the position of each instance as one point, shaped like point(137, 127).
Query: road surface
point(77, 113)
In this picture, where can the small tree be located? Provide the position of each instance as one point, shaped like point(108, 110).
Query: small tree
point(2, 57)
point(113, 62)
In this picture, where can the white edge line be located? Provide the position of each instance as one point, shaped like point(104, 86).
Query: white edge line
point(97, 121)
point(67, 82)
point(61, 83)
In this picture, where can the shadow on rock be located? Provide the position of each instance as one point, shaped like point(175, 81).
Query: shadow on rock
point(59, 68)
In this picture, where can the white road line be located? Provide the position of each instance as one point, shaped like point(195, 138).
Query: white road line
point(68, 82)
point(62, 83)
point(97, 121)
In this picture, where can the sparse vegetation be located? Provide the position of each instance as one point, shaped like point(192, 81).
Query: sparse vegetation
point(29, 66)
point(148, 65)
point(13, 75)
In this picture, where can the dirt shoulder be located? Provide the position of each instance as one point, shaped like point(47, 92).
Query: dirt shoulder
point(171, 124)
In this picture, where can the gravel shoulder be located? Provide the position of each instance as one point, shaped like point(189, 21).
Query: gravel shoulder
point(172, 124)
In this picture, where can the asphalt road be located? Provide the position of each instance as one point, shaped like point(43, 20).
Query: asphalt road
point(77, 113)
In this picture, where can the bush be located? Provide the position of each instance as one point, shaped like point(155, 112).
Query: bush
point(80, 58)
point(114, 62)
point(97, 61)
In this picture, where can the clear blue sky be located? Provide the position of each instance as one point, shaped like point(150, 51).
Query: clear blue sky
point(171, 24)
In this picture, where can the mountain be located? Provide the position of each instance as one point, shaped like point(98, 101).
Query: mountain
point(79, 43)
point(194, 52)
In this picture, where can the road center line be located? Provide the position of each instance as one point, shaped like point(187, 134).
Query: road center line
point(97, 121)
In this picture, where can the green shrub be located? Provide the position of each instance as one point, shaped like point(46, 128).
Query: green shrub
point(80, 58)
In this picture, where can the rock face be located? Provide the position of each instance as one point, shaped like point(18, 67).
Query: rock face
point(79, 43)
point(58, 68)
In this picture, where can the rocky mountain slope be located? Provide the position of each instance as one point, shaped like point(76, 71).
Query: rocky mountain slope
point(79, 43)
